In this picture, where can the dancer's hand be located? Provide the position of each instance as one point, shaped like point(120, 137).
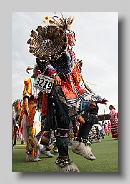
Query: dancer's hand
point(57, 80)
point(103, 101)
point(93, 105)
point(81, 120)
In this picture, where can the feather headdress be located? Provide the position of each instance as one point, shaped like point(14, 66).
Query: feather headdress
point(49, 41)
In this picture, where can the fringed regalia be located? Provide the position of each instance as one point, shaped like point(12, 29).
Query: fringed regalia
point(29, 107)
point(70, 101)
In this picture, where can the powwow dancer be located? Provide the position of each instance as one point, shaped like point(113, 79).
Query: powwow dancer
point(32, 149)
point(16, 108)
point(67, 100)
point(114, 121)
point(32, 115)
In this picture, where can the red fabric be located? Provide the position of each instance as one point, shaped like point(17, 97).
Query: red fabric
point(114, 123)
point(44, 104)
point(75, 79)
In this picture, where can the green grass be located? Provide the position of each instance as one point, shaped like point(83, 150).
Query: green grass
point(106, 154)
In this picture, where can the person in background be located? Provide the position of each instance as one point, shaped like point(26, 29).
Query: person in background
point(114, 121)
point(106, 128)
point(15, 134)
point(109, 128)
point(101, 131)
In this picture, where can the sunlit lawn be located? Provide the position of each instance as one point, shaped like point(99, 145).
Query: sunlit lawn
point(106, 154)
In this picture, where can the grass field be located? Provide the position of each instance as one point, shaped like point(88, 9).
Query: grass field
point(106, 154)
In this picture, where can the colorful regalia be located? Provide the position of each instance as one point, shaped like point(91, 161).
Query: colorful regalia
point(30, 109)
point(70, 98)
point(16, 110)
point(114, 121)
